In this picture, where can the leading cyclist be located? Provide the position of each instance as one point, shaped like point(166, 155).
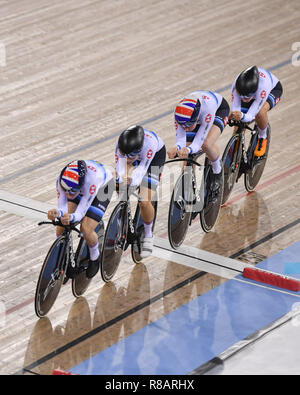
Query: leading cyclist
point(139, 160)
point(255, 91)
point(84, 189)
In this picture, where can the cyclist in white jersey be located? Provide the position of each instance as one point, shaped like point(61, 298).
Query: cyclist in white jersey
point(255, 92)
point(84, 189)
point(200, 118)
point(139, 160)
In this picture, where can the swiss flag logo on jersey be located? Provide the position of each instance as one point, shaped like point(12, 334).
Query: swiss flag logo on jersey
point(263, 94)
point(208, 118)
point(116, 158)
point(92, 189)
point(149, 153)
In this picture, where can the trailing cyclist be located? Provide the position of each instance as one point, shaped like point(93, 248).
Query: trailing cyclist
point(140, 155)
point(84, 189)
point(255, 91)
point(200, 118)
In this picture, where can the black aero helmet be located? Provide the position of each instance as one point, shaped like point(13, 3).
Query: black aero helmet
point(247, 82)
point(131, 140)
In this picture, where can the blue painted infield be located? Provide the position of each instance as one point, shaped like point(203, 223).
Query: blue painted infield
point(200, 330)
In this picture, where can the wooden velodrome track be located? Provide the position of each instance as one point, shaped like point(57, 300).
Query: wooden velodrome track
point(76, 74)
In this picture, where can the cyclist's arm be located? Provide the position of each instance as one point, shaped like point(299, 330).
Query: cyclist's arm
point(120, 166)
point(202, 133)
point(256, 106)
point(261, 97)
point(147, 154)
point(62, 200)
point(236, 101)
point(180, 136)
point(89, 192)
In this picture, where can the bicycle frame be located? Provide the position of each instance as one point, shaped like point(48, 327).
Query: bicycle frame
point(53, 271)
point(190, 162)
point(67, 234)
point(241, 132)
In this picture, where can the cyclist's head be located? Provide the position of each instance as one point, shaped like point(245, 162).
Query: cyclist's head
point(72, 176)
point(131, 140)
point(187, 111)
point(247, 82)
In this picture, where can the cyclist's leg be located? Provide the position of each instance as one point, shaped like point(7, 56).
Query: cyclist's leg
point(147, 214)
point(262, 119)
point(147, 192)
point(91, 220)
point(210, 146)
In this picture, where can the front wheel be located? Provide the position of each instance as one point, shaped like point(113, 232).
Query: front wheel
point(180, 210)
point(231, 164)
point(114, 241)
point(212, 202)
point(256, 164)
point(51, 277)
point(80, 282)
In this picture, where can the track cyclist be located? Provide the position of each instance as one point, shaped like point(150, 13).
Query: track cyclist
point(200, 118)
point(139, 160)
point(84, 189)
point(255, 91)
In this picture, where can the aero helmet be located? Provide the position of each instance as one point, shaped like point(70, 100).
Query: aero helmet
point(247, 82)
point(187, 111)
point(72, 176)
point(131, 140)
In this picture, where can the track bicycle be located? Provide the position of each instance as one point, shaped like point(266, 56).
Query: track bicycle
point(123, 230)
point(188, 200)
point(62, 263)
point(239, 159)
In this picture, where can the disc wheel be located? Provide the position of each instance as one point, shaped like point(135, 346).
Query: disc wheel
point(51, 277)
point(114, 241)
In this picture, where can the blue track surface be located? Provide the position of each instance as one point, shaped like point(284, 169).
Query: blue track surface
point(200, 330)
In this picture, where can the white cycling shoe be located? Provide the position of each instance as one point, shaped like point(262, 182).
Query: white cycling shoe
point(147, 247)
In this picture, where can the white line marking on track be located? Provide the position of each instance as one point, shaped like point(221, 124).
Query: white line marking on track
point(185, 255)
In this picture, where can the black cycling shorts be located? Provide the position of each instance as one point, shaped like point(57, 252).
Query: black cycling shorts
point(152, 177)
point(100, 202)
point(222, 115)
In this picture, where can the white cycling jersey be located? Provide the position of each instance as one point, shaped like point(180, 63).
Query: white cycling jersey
point(152, 144)
point(97, 176)
point(267, 81)
point(210, 102)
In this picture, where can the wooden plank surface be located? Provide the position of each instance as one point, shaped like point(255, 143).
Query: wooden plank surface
point(76, 74)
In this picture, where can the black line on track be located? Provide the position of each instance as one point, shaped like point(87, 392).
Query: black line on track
point(115, 320)
point(106, 325)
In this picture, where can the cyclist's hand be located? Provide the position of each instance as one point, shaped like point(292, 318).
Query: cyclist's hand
point(183, 153)
point(172, 152)
point(236, 115)
point(53, 214)
point(65, 220)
